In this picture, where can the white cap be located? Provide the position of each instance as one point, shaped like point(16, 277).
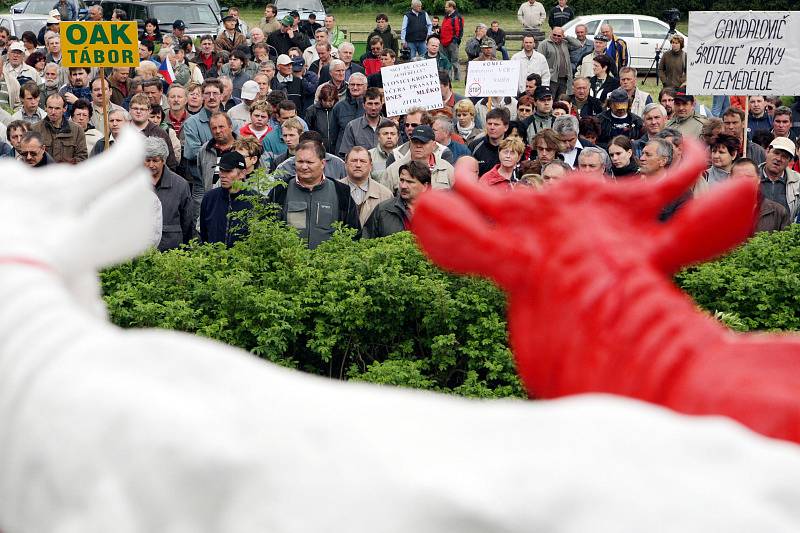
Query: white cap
point(55, 14)
point(283, 59)
point(250, 90)
point(783, 143)
point(53, 20)
point(16, 45)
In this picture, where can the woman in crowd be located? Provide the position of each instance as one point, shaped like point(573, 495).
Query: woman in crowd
point(151, 31)
point(724, 150)
point(31, 44)
point(603, 82)
point(319, 115)
point(517, 129)
point(547, 145)
point(672, 67)
point(194, 98)
point(157, 116)
point(524, 107)
point(38, 61)
point(504, 174)
point(464, 111)
point(623, 162)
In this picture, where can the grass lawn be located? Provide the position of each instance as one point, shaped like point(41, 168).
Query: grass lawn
point(361, 21)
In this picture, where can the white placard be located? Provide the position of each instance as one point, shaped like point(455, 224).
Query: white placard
point(743, 52)
point(414, 84)
point(492, 78)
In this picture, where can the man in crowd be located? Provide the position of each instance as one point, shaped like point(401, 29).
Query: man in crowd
point(15, 132)
point(286, 37)
point(655, 159)
point(62, 138)
point(637, 98)
point(32, 150)
point(258, 126)
point(542, 117)
point(269, 22)
point(584, 104)
point(388, 133)
point(685, 119)
point(531, 15)
point(16, 67)
point(384, 31)
point(666, 97)
point(78, 87)
point(116, 122)
point(336, 35)
point(394, 215)
point(140, 118)
point(349, 108)
point(593, 160)
point(365, 191)
point(218, 203)
point(577, 54)
point(451, 34)
point(758, 119)
point(197, 132)
point(654, 119)
point(485, 148)
point(733, 124)
point(567, 129)
point(30, 112)
point(154, 90)
point(779, 183)
point(422, 148)
point(782, 123)
point(81, 115)
point(498, 35)
point(586, 66)
point(443, 133)
point(177, 113)
point(618, 120)
point(556, 50)
point(120, 84)
point(273, 143)
point(286, 81)
point(362, 131)
point(311, 203)
point(416, 28)
point(221, 142)
point(96, 87)
point(560, 14)
point(173, 193)
point(229, 38)
point(531, 62)
point(312, 53)
point(94, 13)
point(617, 49)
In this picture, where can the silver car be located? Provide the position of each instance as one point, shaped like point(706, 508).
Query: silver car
point(303, 7)
point(642, 34)
point(19, 24)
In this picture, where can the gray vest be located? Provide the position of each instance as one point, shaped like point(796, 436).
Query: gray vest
point(312, 213)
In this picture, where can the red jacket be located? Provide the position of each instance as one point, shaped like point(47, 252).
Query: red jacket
point(494, 179)
point(452, 29)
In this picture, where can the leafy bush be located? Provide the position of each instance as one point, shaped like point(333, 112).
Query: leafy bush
point(378, 311)
point(373, 311)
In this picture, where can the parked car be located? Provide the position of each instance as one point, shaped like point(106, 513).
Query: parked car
point(199, 15)
point(643, 35)
point(44, 7)
point(18, 24)
point(304, 7)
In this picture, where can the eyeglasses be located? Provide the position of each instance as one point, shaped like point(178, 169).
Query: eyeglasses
point(412, 124)
point(30, 153)
point(770, 108)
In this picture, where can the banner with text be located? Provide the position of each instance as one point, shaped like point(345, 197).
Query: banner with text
point(414, 84)
point(492, 78)
point(743, 53)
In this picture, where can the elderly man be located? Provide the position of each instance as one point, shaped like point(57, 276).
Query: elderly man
point(310, 202)
point(240, 113)
point(473, 46)
point(443, 133)
point(15, 65)
point(140, 117)
point(422, 148)
point(416, 27)
point(394, 215)
point(779, 183)
point(173, 192)
point(63, 139)
point(362, 131)
point(567, 129)
point(586, 66)
point(531, 62)
point(349, 108)
point(346, 51)
point(586, 48)
point(94, 13)
point(116, 122)
point(685, 119)
point(656, 158)
point(654, 119)
point(582, 101)
point(365, 191)
point(32, 151)
point(592, 160)
point(617, 49)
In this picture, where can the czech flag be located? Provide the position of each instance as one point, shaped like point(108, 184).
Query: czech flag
point(165, 69)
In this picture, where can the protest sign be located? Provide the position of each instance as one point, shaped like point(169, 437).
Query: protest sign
point(743, 53)
point(492, 78)
point(414, 84)
point(99, 44)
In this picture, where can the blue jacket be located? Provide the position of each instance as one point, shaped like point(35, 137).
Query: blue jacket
point(458, 150)
point(215, 224)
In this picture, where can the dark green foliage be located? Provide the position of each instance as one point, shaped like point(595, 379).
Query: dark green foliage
point(365, 310)
point(759, 282)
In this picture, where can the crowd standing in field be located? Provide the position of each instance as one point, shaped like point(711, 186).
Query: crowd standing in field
point(290, 97)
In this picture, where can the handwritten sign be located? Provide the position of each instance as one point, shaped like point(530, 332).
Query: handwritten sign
point(99, 44)
point(414, 84)
point(492, 78)
point(743, 52)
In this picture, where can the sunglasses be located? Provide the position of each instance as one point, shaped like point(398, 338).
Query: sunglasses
point(770, 108)
point(412, 124)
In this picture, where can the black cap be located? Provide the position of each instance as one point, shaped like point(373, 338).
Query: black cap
point(542, 92)
point(601, 37)
point(681, 95)
point(294, 13)
point(298, 63)
point(618, 96)
point(231, 160)
point(422, 133)
point(179, 25)
point(226, 18)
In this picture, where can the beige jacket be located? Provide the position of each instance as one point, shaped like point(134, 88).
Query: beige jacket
point(376, 193)
point(441, 177)
point(531, 16)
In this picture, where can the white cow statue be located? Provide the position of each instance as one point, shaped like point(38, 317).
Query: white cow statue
point(110, 431)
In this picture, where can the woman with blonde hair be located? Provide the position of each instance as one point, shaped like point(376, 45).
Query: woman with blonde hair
point(504, 174)
point(464, 112)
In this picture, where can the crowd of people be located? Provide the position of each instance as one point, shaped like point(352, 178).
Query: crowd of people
point(289, 96)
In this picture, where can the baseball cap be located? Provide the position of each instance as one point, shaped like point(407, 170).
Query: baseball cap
point(288, 20)
point(283, 59)
point(783, 143)
point(682, 96)
point(226, 18)
point(422, 133)
point(16, 45)
point(52, 20)
point(488, 42)
point(298, 63)
point(250, 90)
point(231, 161)
point(618, 96)
point(542, 92)
point(179, 25)
point(55, 13)
point(294, 13)
point(601, 37)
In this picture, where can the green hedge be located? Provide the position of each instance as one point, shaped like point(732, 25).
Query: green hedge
point(378, 311)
